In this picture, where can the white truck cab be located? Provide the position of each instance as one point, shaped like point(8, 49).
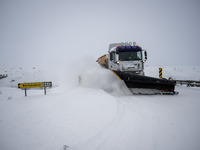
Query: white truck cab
point(126, 57)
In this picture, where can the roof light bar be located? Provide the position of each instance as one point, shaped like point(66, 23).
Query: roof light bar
point(128, 44)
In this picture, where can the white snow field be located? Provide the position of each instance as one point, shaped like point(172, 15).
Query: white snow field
point(97, 114)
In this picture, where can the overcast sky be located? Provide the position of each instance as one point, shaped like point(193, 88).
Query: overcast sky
point(53, 32)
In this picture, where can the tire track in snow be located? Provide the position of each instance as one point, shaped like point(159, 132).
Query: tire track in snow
point(131, 128)
point(98, 140)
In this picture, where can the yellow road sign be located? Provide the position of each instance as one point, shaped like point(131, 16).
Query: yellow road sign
point(24, 86)
point(30, 85)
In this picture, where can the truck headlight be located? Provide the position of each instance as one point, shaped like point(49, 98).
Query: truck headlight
point(144, 61)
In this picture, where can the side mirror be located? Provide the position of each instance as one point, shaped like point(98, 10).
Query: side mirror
point(145, 55)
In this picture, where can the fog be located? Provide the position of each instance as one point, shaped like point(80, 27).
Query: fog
point(43, 33)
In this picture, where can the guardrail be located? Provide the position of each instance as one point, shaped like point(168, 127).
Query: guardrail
point(189, 83)
point(3, 76)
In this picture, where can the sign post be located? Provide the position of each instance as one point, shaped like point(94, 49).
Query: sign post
point(35, 85)
point(25, 92)
point(45, 90)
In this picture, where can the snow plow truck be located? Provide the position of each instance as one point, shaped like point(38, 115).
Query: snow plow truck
point(126, 61)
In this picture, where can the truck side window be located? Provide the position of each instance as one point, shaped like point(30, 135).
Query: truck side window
point(112, 56)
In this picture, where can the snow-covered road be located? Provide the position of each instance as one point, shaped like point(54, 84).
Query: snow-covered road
point(152, 122)
point(87, 117)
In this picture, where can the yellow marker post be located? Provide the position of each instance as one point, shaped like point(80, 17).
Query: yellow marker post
point(79, 80)
point(160, 73)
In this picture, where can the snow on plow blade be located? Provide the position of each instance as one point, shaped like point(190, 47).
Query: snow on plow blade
point(138, 84)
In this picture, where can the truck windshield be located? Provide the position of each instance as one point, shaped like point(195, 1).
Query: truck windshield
point(130, 56)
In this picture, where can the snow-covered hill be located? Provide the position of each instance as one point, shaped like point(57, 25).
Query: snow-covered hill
point(97, 114)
